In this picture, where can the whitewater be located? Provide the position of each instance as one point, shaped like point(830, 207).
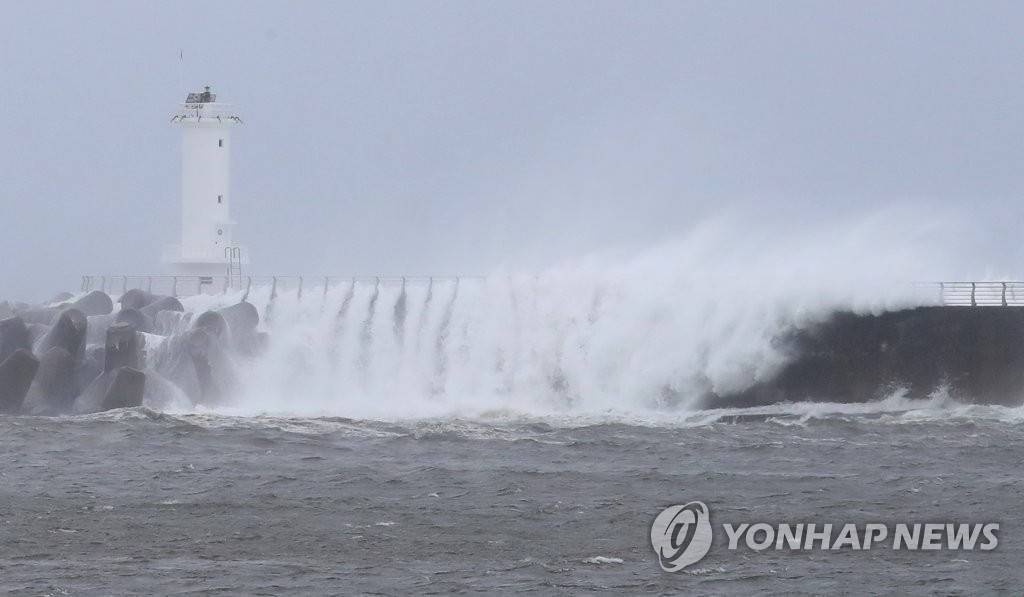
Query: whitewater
point(639, 335)
point(392, 349)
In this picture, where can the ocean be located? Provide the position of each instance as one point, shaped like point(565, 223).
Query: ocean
point(141, 502)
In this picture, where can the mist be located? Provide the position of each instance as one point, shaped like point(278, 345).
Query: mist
point(482, 138)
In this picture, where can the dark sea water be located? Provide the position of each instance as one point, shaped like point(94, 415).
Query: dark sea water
point(139, 502)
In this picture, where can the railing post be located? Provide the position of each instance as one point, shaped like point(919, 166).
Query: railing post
point(974, 303)
point(942, 293)
point(149, 285)
point(1004, 294)
point(273, 289)
point(103, 283)
point(174, 286)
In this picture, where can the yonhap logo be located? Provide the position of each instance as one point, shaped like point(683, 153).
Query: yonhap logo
point(681, 535)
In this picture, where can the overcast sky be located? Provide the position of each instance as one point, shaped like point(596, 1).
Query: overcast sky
point(441, 137)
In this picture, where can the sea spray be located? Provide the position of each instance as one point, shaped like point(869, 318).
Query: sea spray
point(653, 330)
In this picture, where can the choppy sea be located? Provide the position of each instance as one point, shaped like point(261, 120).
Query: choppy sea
point(141, 502)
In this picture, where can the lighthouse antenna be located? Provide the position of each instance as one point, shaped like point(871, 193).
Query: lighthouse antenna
point(181, 69)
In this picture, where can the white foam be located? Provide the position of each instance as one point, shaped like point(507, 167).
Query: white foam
point(639, 337)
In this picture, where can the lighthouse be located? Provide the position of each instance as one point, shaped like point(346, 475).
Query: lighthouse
point(206, 247)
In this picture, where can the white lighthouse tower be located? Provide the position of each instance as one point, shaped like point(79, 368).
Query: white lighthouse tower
point(206, 246)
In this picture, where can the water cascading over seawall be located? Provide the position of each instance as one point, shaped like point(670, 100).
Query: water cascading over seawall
point(397, 347)
point(663, 332)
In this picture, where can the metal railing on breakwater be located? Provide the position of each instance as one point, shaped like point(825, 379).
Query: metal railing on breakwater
point(977, 294)
point(964, 294)
point(186, 285)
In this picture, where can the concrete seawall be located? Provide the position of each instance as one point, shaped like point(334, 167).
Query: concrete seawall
point(977, 352)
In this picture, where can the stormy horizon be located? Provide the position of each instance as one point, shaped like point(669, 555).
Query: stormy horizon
point(515, 138)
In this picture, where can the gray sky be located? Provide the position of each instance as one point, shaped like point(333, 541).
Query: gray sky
point(439, 137)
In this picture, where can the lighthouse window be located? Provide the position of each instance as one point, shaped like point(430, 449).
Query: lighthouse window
point(220, 198)
point(220, 142)
point(220, 232)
